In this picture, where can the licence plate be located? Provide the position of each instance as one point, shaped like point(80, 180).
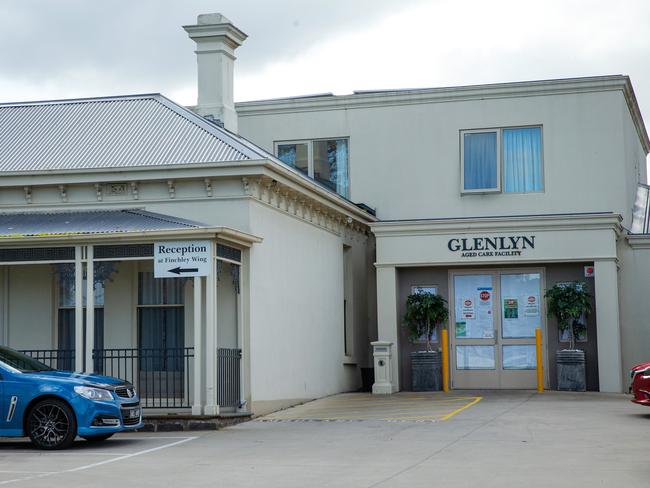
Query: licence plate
point(132, 413)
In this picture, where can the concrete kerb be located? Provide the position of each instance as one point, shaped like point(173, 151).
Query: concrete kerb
point(182, 423)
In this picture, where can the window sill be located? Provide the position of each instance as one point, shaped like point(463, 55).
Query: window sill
point(481, 192)
point(349, 360)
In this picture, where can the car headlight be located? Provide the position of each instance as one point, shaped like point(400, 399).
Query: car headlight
point(642, 372)
point(93, 393)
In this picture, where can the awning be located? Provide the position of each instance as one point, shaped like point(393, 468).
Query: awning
point(105, 224)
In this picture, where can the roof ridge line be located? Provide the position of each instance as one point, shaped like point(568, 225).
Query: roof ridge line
point(70, 101)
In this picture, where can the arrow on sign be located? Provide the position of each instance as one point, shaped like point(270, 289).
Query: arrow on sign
point(178, 270)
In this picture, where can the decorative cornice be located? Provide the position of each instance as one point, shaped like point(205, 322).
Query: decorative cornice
point(469, 225)
point(134, 190)
point(289, 201)
point(638, 241)
point(64, 193)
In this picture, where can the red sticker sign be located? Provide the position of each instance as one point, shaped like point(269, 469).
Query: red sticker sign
point(485, 296)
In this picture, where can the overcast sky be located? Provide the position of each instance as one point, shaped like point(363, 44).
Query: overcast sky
point(76, 48)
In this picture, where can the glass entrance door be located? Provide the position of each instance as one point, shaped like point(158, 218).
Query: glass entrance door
point(494, 318)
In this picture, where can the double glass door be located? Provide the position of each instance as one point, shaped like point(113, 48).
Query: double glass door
point(493, 324)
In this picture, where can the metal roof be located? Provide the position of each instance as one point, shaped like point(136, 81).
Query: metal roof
point(113, 132)
point(51, 224)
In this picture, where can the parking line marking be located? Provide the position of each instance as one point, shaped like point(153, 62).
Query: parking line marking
point(101, 463)
point(27, 472)
point(458, 410)
point(127, 456)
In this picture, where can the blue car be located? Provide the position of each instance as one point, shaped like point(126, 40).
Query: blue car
point(54, 407)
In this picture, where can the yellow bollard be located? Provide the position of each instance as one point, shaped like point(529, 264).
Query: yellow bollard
point(540, 368)
point(445, 360)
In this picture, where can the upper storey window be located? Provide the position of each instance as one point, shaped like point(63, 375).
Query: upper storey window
point(508, 160)
point(324, 160)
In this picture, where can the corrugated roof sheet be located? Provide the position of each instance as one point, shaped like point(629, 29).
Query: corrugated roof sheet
point(115, 132)
point(48, 224)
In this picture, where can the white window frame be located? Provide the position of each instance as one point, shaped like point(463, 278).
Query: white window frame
point(498, 131)
point(499, 163)
point(310, 153)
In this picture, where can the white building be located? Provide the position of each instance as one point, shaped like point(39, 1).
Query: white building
point(313, 252)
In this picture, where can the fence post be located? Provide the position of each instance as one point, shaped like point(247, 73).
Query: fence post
point(540, 370)
point(445, 360)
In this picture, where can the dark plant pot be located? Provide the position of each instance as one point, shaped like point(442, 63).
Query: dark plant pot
point(426, 371)
point(571, 374)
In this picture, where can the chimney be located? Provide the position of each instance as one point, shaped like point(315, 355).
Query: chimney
point(216, 40)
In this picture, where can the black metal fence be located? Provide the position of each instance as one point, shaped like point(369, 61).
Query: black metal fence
point(229, 371)
point(163, 377)
point(62, 359)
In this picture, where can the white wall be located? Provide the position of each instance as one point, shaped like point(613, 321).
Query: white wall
point(296, 314)
point(405, 159)
point(634, 276)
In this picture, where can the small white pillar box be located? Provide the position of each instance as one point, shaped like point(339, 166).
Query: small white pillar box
point(382, 355)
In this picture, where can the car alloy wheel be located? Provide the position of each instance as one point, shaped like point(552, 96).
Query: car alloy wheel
point(51, 424)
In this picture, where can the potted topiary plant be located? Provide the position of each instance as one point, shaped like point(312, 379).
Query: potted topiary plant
point(570, 303)
point(424, 312)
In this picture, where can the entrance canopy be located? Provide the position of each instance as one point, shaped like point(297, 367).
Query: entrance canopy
point(106, 224)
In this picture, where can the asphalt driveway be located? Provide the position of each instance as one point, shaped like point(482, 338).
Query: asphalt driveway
point(506, 439)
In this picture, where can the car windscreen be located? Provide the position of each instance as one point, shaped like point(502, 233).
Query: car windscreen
point(21, 362)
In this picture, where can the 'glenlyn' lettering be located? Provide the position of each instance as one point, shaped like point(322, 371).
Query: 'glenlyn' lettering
point(509, 243)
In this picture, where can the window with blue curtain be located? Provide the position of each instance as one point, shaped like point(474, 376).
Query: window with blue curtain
point(522, 159)
point(295, 155)
point(480, 171)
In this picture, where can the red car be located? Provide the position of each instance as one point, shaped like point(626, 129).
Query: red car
point(641, 383)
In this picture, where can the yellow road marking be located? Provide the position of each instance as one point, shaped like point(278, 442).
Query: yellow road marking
point(448, 416)
point(398, 409)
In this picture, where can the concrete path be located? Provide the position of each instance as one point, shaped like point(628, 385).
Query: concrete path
point(401, 407)
point(508, 439)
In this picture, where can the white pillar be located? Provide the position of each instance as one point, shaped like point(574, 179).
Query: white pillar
point(197, 406)
point(608, 327)
point(5, 305)
point(90, 310)
point(78, 311)
point(387, 318)
point(211, 376)
point(241, 338)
